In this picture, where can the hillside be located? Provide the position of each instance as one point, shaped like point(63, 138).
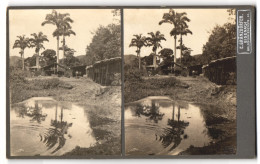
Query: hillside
point(83, 60)
point(14, 60)
point(128, 59)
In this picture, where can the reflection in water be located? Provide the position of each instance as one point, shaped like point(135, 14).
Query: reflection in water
point(151, 112)
point(55, 134)
point(35, 113)
point(42, 126)
point(172, 134)
point(175, 127)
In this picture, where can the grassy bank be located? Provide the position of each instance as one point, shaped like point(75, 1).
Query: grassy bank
point(137, 87)
point(22, 88)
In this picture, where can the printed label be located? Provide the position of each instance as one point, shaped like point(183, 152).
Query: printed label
point(244, 32)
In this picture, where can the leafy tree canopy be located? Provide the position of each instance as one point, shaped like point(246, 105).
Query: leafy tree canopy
point(106, 43)
point(70, 60)
point(221, 42)
point(48, 57)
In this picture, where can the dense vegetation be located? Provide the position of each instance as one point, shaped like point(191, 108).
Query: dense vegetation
point(106, 43)
point(22, 88)
point(221, 42)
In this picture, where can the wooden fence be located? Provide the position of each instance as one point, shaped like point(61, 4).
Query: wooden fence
point(221, 71)
point(105, 71)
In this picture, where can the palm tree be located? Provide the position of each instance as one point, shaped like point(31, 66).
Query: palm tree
point(139, 41)
point(183, 29)
point(22, 43)
point(178, 20)
point(155, 41)
point(37, 42)
point(60, 21)
point(183, 49)
point(64, 31)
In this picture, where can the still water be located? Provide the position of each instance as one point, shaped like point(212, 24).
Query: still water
point(160, 126)
point(43, 126)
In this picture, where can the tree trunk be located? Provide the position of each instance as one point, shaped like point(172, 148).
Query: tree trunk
point(22, 55)
point(139, 58)
point(139, 61)
point(174, 66)
point(58, 40)
point(154, 59)
point(63, 46)
point(37, 61)
point(181, 47)
point(179, 114)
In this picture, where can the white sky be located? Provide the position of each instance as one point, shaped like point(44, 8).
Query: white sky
point(85, 21)
point(142, 21)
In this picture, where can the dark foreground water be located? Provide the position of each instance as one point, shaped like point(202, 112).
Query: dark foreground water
point(43, 126)
point(160, 126)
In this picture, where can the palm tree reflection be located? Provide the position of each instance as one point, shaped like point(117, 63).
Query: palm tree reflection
point(35, 113)
point(151, 112)
point(55, 134)
point(172, 136)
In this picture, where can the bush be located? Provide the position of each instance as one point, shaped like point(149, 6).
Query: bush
point(39, 84)
point(133, 74)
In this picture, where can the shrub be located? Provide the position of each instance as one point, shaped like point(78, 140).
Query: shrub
point(39, 84)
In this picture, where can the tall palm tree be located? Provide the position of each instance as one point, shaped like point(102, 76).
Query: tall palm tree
point(155, 41)
point(59, 20)
point(22, 43)
point(139, 41)
point(37, 42)
point(177, 19)
point(64, 31)
point(183, 27)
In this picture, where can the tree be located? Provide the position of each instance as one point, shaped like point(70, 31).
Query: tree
point(155, 41)
point(187, 59)
point(183, 30)
point(167, 55)
point(22, 43)
point(60, 21)
point(65, 31)
point(106, 43)
point(148, 59)
point(166, 52)
point(37, 42)
point(70, 60)
point(49, 56)
point(221, 42)
point(139, 41)
point(178, 20)
point(184, 51)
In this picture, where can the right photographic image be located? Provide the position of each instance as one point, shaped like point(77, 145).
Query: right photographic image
point(180, 81)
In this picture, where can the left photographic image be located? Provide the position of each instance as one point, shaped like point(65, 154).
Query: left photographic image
point(64, 77)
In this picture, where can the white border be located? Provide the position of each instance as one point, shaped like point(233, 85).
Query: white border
point(3, 6)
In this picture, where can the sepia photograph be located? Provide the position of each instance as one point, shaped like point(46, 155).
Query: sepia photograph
point(64, 82)
point(180, 81)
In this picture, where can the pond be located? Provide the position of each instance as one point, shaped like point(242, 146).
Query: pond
point(43, 126)
point(161, 126)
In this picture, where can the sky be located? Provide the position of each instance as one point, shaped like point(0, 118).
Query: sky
point(142, 21)
point(86, 21)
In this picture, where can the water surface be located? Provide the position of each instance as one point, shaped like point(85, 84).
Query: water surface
point(43, 126)
point(160, 126)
